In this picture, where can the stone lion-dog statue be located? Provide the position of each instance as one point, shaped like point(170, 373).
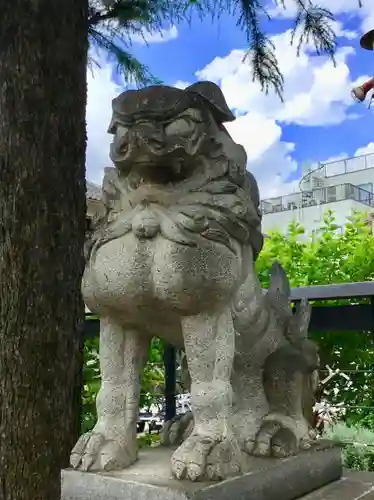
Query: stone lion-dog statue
point(174, 257)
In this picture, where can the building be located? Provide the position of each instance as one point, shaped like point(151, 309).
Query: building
point(343, 186)
point(94, 204)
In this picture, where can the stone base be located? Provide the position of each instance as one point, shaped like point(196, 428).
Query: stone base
point(150, 479)
point(353, 486)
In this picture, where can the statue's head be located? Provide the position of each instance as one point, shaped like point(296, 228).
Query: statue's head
point(169, 143)
point(158, 131)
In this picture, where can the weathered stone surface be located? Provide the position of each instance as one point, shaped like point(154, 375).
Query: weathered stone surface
point(353, 486)
point(151, 479)
point(174, 257)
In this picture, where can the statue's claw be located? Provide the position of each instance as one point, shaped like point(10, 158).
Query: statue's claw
point(281, 436)
point(95, 452)
point(205, 458)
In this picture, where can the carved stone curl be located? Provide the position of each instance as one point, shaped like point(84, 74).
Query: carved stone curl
point(174, 257)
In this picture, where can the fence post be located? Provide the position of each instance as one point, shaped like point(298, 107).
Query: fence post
point(170, 381)
point(372, 323)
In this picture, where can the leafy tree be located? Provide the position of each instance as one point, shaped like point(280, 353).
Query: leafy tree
point(328, 258)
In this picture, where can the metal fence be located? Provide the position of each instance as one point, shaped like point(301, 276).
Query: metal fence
point(347, 308)
point(320, 196)
point(338, 167)
point(346, 165)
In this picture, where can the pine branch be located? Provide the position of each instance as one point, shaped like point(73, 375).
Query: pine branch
point(112, 23)
point(261, 49)
point(314, 25)
point(132, 70)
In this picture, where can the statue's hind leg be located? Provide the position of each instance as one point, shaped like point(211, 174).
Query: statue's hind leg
point(112, 442)
point(288, 382)
point(211, 451)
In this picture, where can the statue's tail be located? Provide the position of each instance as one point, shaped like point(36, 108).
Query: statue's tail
point(250, 313)
point(255, 311)
point(295, 325)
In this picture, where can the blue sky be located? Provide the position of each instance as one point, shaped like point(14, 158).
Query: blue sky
point(318, 120)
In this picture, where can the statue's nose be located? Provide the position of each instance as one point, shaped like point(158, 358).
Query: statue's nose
point(149, 133)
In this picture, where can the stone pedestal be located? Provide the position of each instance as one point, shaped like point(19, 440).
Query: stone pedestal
point(352, 486)
point(150, 479)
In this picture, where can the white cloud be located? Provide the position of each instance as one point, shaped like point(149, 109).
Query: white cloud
point(268, 156)
point(181, 84)
point(315, 94)
point(343, 33)
point(100, 92)
point(365, 149)
point(159, 36)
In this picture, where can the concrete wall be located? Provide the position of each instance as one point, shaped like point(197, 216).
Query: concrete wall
point(94, 207)
point(312, 217)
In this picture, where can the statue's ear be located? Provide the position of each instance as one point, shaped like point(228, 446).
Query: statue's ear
point(299, 325)
point(211, 93)
point(279, 280)
point(279, 292)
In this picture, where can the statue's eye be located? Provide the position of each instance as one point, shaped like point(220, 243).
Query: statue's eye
point(121, 131)
point(180, 126)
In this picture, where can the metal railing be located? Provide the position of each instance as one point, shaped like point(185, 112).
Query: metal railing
point(353, 317)
point(328, 194)
point(338, 167)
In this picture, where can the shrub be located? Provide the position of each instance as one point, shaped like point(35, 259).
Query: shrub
point(357, 445)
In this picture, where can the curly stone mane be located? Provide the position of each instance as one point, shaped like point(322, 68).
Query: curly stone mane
point(220, 201)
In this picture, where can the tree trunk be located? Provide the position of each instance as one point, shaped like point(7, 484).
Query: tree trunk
point(43, 53)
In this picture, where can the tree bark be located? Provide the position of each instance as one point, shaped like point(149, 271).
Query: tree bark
point(43, 55)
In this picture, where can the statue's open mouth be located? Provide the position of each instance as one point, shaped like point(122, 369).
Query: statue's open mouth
point(157, 173)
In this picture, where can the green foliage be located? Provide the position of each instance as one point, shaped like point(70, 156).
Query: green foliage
point(332, 257)
point(149, 440)
point(329, 257)
point(152, 382)
point(91, 383)
point(357, 445)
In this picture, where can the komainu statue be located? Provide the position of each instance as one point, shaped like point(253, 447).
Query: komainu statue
point(174, 257)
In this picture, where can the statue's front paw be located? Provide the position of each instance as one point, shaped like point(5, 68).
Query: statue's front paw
point(202, 458)
point(282, 436)
point(96, 452)
point(177, 430)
